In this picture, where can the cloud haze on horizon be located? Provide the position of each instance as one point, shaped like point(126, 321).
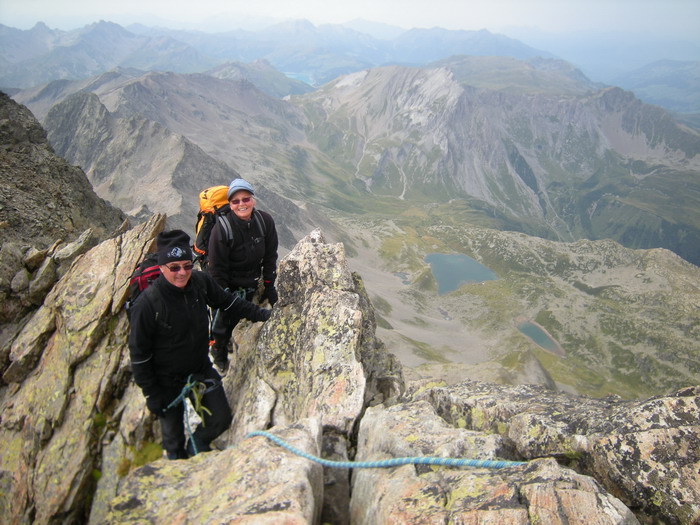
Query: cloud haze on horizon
point(677, 18)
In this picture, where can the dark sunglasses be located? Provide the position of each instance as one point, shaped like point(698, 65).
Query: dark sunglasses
point(176, 267)
point(238, 201)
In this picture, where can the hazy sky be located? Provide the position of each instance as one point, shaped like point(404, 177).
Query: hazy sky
point(674, 17)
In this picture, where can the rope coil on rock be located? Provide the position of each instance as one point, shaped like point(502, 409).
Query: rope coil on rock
point(393, 462)
point(198, 389)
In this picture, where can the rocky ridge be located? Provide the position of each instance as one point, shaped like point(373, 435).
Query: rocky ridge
point(42, 197)
point(167, 182)
point(133, 138)
point(76, 431)
point(49, 215)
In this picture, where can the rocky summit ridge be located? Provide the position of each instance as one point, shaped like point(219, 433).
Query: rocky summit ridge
point(42, 197)
point(49, 215)
point(79, 445)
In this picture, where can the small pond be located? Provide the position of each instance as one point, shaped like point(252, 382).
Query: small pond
point(539, 337)
point(453, 270)
point(404, 277)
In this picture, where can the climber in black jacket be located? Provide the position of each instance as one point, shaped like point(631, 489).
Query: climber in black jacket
point(243, 262)
point(169, 343)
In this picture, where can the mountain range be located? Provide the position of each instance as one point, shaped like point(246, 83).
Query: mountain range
point(531, 146)
point(565, 165)
point(401, 161)
point(318, 54)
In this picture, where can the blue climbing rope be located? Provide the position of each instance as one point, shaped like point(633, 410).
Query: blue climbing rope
point(189, 385)
point(393, 462)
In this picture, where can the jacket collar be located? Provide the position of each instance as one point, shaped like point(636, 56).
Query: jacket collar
point(170, 289)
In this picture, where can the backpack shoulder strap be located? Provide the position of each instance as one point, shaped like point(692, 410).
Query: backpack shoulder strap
point(261, 222)
point(153, 296)
point(226, 228)
point(198, 281)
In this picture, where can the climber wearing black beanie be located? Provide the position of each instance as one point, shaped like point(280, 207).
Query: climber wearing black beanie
point(173, 246)
point(169, 343)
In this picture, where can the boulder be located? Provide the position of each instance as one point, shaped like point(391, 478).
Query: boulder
point(69, 364)
point(316, 357)
point(253, 482)
point(42, 281)
point(647, 453)
point(68, 253)
point(540, 492)
point(10, 264)
point(34, 257)
point(29, 345)
point(123, 448)
point(536, 492)
point(20, 282)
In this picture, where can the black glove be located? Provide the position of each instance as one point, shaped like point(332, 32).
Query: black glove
point(265, 314)
point(156, 404)
point(270, 293)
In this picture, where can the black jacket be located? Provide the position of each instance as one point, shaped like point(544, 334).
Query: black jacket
point(169, 337)
point(241, 263)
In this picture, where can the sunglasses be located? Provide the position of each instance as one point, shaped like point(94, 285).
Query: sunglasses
point(176, 267)
point(244, 200)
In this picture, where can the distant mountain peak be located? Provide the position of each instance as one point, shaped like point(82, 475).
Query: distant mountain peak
point(40, 27)
point(105, 24)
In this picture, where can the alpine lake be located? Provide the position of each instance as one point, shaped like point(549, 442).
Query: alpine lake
point(454, 270)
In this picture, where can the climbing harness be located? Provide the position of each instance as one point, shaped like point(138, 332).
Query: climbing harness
point(393, 462)
point(198, 389)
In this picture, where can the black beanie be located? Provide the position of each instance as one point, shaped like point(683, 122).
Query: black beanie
point(173, 246)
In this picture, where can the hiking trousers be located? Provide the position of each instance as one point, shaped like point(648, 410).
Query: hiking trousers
point(224, 322)
point(172, 425)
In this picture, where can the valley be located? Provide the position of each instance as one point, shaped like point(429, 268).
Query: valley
point(514, 163)
point(627, 320)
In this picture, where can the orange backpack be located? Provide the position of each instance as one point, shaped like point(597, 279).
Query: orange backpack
point(213, 205)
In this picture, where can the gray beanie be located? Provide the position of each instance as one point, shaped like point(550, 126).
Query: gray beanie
point(239, 184)
point(173, 246)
